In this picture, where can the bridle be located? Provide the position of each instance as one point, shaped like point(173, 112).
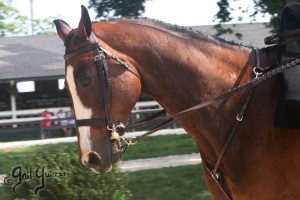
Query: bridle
point(115, 127)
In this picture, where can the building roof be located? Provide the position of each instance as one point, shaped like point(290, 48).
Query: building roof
point(253, 34)
point(41, 57)
point(31, 57)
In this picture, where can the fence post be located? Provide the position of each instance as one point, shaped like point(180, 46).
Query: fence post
point(42, 129)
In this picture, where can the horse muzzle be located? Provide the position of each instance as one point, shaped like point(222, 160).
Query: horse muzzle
point(94, 162)
point(101, 160)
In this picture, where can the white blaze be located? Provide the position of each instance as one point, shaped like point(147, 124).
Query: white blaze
point(81, 112)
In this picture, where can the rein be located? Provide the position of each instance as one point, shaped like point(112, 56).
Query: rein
point(117, 129)
point(274, 39)
point(260, 76)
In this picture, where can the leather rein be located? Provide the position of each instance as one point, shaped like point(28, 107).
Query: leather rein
point(117, 129)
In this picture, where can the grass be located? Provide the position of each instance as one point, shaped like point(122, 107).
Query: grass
point(150, 147)
point(185, 182)
point(158, 146)
point(176, 183)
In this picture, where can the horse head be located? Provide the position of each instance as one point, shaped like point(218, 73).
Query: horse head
point(104, 90)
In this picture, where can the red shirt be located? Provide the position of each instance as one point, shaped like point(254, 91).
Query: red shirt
point(47, 123)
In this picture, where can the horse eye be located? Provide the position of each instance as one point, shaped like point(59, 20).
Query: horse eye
point(85, 81)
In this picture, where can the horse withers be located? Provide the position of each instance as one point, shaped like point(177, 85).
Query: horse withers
point(109, 63)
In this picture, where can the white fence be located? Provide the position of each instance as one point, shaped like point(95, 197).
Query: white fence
point(32, 120)
point(36, 114)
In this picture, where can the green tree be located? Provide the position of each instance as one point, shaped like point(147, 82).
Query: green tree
point(270, 7)
point(117, 8)
point(44, 26)
point(13, 23)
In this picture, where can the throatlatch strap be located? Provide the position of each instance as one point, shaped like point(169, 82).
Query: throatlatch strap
point(91, 122)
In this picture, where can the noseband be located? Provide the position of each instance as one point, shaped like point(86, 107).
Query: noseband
point(116, 127)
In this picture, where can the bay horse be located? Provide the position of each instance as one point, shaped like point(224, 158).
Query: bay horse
point(180, 68)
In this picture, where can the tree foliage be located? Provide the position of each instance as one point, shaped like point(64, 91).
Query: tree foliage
point(271, 7)
point(129, 8)
point(44, 26)
point(117, 8)
point(13, 23)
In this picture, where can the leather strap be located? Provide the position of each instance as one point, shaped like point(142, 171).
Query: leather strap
point(177, 116)
point(215, 173)
point(274, 39)
point(124, 64)
point(219, 182)
point(81, 51)
point(105, 84)
point(91, 122)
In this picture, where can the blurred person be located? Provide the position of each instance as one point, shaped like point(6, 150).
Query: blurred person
point(46, 124)
point(62, 115)
point(71, 120)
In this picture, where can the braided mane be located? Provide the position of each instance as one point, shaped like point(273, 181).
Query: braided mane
point(185, 31)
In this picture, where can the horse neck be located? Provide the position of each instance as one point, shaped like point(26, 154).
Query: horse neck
point(203, 73)
point(180, 72)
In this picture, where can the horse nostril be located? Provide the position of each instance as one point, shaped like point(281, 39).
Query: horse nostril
point(92, 160)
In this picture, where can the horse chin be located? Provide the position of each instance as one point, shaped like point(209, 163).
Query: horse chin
point(116, 156)
point(99, 170)
point(116, 151)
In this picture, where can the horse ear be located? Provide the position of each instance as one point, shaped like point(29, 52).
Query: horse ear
point(62, 28)
point(85, 24)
